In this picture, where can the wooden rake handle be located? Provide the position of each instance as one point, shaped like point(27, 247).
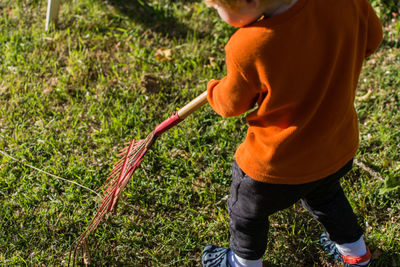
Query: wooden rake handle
point(181, 114)
point(192, 106)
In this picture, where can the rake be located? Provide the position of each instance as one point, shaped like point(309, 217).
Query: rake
point(131, 157)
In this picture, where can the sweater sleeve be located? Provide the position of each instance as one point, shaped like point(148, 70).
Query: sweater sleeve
point(238, 91)
point(375, 35)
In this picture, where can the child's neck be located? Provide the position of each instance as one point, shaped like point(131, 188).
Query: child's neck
point(279, 8)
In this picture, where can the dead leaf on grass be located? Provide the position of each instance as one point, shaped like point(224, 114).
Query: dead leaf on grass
point(180, 153)
point(200, 183)
point(365, 97)
point(86, 254)
point(163, 54)
point(39, 123)
point(3, 89)
point(212, 62)
point(51, 85)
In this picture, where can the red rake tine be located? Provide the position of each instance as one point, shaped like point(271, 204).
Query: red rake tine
point(92, 225)
point(122, 170)
point(127, 175)
point(122, 160)
point(110, 186)
point(117, 170)
point(119, 164)
point(95, 221)
point(86, 233)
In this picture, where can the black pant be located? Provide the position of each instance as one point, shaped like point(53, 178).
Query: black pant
point(251, 202)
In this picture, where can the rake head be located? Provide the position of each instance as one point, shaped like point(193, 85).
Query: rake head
point(131, 157)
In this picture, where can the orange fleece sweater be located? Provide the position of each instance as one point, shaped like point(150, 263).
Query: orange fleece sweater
point(301, 68)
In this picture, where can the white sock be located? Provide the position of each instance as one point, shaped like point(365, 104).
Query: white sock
point(355, 249)
point(236, 261)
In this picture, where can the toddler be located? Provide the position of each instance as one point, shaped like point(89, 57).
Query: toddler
point(298, 63)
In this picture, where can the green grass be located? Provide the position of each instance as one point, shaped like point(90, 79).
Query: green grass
point(71, 97)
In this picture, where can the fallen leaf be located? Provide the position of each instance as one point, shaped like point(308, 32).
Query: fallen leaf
point(365, 97)
point(163, 54)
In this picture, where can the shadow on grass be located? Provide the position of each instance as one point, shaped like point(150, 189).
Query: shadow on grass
point(158, 19)
point(384, 258)
point(267, 264)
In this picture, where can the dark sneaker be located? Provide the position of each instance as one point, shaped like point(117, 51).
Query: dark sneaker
point(214, 256)
point(330, 247)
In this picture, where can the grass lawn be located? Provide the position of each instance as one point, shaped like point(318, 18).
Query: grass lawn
point(71, 97)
